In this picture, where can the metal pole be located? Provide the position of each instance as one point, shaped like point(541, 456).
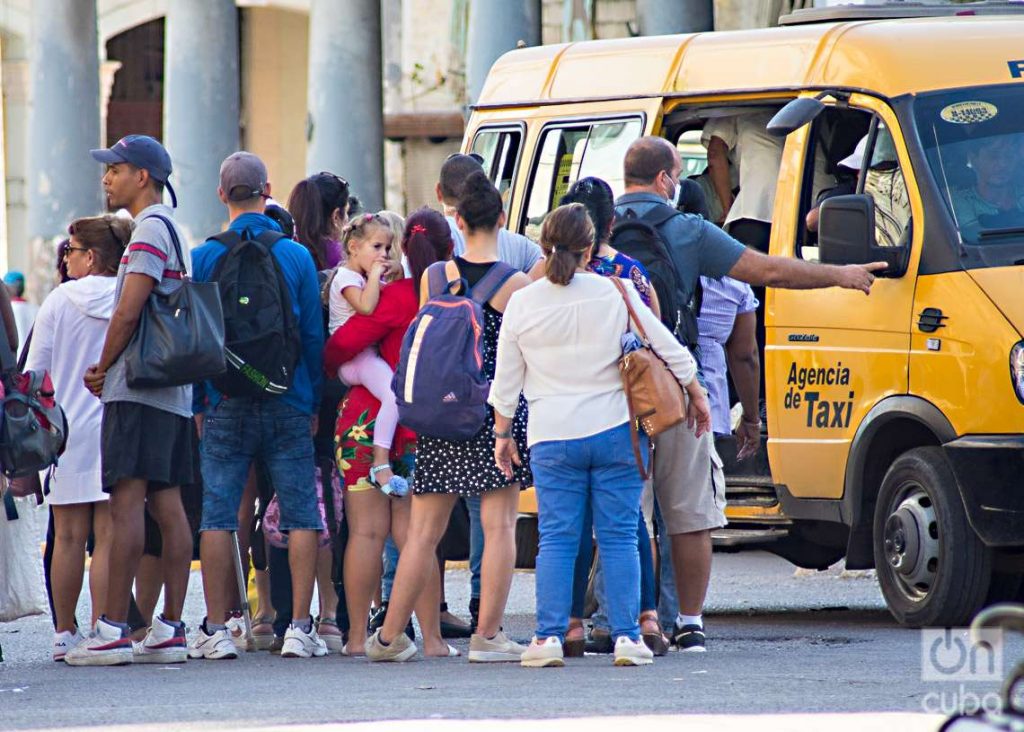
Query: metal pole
point(664, 17)
point(497, 26)
point(201, 106)
point(64, 116)
point(346, 117)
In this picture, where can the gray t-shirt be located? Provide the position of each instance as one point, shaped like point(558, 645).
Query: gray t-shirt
point(150, 252)
point(513, 249)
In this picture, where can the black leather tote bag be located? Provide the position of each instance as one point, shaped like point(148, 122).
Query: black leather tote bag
point(180, 338)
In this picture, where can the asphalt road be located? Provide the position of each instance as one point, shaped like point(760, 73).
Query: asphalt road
point(781, 642)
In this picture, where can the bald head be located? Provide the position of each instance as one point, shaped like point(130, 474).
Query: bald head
point(647, 158)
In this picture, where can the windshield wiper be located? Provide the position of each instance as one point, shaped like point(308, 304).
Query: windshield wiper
point(1000, 233)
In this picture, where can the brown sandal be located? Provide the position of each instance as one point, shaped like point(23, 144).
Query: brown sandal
point(650, 631)
point(575, 639)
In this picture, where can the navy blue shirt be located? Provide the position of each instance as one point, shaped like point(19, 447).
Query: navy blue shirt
point(303, 288)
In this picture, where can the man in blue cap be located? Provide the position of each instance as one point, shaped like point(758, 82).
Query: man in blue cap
point(148, 438)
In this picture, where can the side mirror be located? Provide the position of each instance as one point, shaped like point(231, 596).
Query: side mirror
point(794, 115)
point(846, 235)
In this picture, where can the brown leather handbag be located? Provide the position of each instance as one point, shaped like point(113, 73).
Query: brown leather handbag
point(655, 398)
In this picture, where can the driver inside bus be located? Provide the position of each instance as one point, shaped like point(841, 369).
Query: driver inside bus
point(996, 200)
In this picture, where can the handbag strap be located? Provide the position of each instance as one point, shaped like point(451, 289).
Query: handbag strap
point(174, 240)
point(629, 309)
point(634, 434)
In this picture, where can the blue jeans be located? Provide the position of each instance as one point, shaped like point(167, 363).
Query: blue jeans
point(476, 545)
point(648, 589)
point(599, 471)
point(237, 433)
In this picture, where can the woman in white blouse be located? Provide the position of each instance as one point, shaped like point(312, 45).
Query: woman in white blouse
point(559, 345)
point(67, 339)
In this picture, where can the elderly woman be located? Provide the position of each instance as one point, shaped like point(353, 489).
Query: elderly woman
point(564, 360)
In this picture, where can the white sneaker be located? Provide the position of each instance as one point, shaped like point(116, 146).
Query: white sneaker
point(498, 649)
point(543, 653)
point(630, 652)
point(64, 642)
point(213, 647)
point(107, 645)
point(236, 628)
point(164, 643)
point(299, 644)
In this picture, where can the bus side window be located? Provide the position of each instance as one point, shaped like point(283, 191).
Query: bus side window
point(500, 150)
point(566, 154)
point(883, 180)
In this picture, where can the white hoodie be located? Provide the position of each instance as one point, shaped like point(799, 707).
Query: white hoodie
point(66, 340)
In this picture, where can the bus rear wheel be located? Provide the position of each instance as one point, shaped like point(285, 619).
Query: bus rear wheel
point(933, 569)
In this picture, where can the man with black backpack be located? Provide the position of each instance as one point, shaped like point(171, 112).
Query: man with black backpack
point(264, 406)
point(677, 250)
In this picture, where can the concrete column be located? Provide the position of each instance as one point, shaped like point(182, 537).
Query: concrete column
point(346, 117)
point(658, 17)
point(201, 107)
point(497, 26)
point(64, 116)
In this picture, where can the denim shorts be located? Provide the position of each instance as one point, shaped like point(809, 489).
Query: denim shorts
point(241, 431)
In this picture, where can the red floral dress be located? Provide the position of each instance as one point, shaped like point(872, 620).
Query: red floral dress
point(353, 435)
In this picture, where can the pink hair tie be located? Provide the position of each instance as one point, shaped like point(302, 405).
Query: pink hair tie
point(418, 229)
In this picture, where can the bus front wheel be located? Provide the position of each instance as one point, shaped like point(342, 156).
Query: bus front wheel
point(933, 569)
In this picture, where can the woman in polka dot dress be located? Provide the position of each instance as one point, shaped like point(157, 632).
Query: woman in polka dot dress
point(447, 469)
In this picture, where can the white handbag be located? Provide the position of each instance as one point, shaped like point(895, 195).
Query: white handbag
point(22, 588)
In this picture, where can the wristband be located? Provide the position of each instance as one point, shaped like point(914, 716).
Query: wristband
point(503, 435)
point(751, 422)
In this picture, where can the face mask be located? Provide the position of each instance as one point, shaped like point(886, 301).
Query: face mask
point(674, 198)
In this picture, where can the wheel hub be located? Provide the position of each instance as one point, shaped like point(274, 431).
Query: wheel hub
point(911, 550)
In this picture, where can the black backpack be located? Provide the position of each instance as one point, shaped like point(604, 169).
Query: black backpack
point(261, 338)
point(640, 237)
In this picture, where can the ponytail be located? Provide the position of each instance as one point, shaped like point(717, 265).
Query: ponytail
point(427, 239)
point(566, 237)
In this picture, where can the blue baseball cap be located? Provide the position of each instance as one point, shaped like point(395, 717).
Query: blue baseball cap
point(144, 152)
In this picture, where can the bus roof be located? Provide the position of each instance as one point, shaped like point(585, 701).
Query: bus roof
point(887, 57)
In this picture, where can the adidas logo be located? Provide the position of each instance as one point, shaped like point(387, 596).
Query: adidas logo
point(449, 398)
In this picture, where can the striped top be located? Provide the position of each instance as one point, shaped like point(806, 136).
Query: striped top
point(724, 299)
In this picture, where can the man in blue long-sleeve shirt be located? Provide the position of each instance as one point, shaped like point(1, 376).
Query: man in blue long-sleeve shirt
point(277, 430)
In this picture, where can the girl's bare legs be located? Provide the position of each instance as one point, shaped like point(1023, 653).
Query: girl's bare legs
point(369, 522)
point(498, 511)
point(417, 565)
point(71, 526)
point(428, 604)
point(100, 557)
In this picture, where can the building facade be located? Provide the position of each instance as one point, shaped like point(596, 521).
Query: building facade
point(373, 90)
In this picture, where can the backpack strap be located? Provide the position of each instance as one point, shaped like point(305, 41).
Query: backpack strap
point(437, 279)
point(229, 239)
point(490, 283)
point(269, 238)
point(658, 215)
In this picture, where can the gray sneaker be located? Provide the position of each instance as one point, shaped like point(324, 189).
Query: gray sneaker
point(498, 649)
point(398, 650)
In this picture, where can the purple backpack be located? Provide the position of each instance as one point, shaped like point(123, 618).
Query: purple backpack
point(439, 384)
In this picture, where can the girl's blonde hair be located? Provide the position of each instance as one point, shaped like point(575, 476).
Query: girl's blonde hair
point(359, 228)
point(397, 223)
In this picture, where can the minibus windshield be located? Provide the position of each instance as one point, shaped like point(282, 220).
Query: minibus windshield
point(974, 143)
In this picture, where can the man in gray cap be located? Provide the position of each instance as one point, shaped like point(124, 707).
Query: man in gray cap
point(148, 438)
point(275, 428)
